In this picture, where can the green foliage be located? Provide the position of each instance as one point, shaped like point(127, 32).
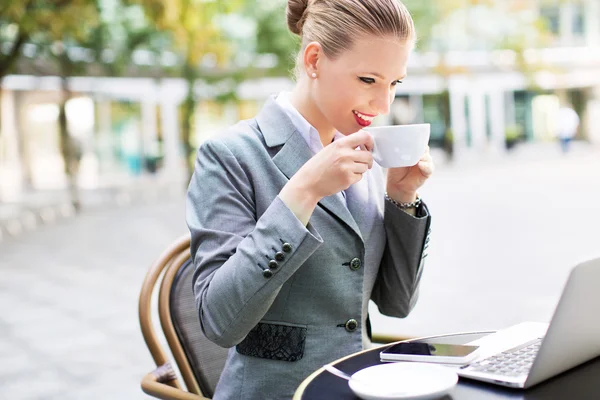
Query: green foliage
point(122, 29)
point(35, 16)
point(76, 34)
point(425, 14)
point(513, 132)
point(273, 35)
point(193, 26)
point(36, 21)
point(197, 34)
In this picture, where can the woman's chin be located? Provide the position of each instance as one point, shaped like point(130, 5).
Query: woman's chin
point(348, 130)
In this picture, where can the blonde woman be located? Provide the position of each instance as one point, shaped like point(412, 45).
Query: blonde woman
point(294, 228)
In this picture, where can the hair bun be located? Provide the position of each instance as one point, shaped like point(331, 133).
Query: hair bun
point(295, 15)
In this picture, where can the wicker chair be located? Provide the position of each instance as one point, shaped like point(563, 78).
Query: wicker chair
point(198, 360)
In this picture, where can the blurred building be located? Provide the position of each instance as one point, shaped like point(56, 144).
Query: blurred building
point(476, 97)
point(126, 127)
point(482, 96)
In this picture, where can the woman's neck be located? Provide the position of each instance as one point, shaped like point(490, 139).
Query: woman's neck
point(302, 100)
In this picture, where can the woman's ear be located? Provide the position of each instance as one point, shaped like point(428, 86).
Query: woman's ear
point(312, 53)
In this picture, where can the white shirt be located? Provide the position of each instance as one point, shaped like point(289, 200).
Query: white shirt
point(308, 132)
point(568, 121)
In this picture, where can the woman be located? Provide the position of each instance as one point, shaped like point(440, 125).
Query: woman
point(292, 230)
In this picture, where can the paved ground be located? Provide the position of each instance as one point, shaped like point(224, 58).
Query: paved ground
point(36, 208)
point(68, 304)
point(504, 236)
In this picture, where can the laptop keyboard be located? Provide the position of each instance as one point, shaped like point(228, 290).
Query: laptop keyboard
point(513, 362)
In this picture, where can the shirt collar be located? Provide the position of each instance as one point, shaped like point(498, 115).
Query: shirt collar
point(306, 130)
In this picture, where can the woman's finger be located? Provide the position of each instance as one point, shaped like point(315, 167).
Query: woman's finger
point(359, 168)
point(357, 139)
point(363, 156)
point(426, 168)
point(426, 157)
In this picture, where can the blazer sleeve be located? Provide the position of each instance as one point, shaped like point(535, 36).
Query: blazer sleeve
point(231, 247)
point(396, 288)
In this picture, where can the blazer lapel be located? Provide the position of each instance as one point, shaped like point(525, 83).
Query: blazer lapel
point(357, 199)
point(278, 130)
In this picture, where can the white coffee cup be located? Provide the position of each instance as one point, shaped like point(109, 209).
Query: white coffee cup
point(399, 145)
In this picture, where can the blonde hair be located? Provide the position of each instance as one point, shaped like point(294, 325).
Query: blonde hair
point(336, 24)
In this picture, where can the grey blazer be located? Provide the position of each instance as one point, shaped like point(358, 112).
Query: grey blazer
point(286, 298)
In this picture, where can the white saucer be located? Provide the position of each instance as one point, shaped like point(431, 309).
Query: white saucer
point(403, 380)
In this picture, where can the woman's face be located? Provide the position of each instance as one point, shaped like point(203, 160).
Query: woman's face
point(360, 83)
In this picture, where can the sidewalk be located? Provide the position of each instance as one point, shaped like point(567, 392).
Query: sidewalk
point(69, 325)
point(41, 207)
point(522, 153)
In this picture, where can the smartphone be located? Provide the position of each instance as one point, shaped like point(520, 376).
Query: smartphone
point(430, 352)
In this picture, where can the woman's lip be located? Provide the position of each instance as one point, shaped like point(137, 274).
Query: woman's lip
point(361, 121)
point(365, 114)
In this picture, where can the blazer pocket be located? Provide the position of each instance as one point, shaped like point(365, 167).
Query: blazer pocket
point(274, 342)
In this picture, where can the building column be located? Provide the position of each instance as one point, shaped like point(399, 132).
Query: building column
point(458, 121)
point(592, 116)
point(171, 141)
point(416, 105)
point(565, 23)
point(149, 150)
point(497, 121)
point(592, 22)
point(477, 118)
point(509, 104)
point(104, 139)
point(11, 173)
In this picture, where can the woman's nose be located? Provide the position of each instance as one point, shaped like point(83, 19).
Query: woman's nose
point(383, 101)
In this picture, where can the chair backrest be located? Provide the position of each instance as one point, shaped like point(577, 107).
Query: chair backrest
point(206, 358)
point(199, 361)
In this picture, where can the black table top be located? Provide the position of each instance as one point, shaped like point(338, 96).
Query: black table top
point(580, 383)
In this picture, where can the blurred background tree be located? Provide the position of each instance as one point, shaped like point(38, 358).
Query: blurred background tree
point(122, 32)
point(60, 44)
point(222, 44)
point(272, 37)
point(66, 42)
point(196, 29)
point(15, 28)
point(35, 23)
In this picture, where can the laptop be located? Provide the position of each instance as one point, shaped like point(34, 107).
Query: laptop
point(529, 353)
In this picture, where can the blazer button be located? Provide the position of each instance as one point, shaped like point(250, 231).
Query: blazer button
point(286, 247)
point(267, 273)
point(279, 256)
point(351, 325)
point(273, 264)
point(355, 264)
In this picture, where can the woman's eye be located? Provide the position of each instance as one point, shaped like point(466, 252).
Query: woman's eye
point(396, 82)
point(367, 80)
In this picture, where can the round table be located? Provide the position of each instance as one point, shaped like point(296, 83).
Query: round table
point(580, 383)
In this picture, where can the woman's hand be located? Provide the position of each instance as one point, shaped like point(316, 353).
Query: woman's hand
point(403, 182)
point(331, 170)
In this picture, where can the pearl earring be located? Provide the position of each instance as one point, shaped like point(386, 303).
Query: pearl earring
point(314, 75)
